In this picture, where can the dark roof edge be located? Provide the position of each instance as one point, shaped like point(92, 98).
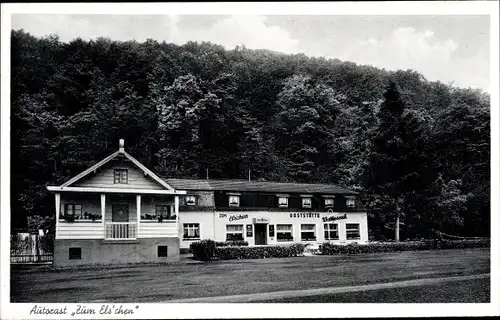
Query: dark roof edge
point(210, 188)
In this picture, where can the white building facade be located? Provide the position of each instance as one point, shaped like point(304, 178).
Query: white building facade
point(268, 213)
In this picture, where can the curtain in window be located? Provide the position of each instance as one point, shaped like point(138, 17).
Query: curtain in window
point(307, 227)
point(284, 227)
point(234, 228)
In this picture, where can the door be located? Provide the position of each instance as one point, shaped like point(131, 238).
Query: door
point(260, 234)
point(120, 213)
point(120, 230)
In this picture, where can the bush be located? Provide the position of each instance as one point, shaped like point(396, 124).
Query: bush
point(203, 250)
point(334, 249)
point(233, 243)
point(281, 251)
point(195, 246)
point(464, 244)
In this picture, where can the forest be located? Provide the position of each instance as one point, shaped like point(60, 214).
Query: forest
point(417, 151)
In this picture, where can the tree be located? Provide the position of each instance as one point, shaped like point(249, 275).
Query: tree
point(47, 226)
point(185, 109)
point(462, 139)
point(396, 163)
point(303, 125)
point(354, 128)
point(191, 123)
point(449, 205)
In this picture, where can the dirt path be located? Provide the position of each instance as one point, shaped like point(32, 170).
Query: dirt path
point(265, 296)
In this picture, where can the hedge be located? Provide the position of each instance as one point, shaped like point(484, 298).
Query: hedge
point(203, 250)
point(207, 250)
point(334, 249)
point(280, 251)
point(464, 244)
point(237, 243)
point(234, 243)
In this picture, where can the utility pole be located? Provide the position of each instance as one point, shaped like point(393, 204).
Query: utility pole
point(249, 175)
point(207, 174)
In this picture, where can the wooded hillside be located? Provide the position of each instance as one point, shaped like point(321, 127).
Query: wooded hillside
point(415, 149)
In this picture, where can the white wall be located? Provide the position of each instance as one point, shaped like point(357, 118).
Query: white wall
point(206, 221)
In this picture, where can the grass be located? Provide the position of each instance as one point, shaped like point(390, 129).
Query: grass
point(165, 282)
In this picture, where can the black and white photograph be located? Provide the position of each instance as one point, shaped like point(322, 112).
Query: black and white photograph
point(318, 160)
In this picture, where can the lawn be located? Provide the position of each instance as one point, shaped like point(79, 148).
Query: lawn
point(180, 281)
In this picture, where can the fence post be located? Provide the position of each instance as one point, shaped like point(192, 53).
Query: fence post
point(37, 247)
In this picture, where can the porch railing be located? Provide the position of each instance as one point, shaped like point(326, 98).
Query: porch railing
point(121, 230)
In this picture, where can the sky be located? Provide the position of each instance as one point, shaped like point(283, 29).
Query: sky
point(450, 49)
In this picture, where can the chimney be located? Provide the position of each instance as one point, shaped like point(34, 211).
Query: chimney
point(121, 148)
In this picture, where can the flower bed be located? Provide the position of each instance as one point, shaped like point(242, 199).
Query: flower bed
point(334, 249)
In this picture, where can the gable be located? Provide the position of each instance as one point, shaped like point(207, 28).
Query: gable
point(104, 177)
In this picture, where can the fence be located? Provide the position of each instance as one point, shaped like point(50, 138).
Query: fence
point(26, 248)
point(30, 258)
point(121, 230)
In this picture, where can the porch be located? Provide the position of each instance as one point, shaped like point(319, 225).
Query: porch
point(116, 216)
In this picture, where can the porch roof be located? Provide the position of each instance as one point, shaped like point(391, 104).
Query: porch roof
point(114, 190)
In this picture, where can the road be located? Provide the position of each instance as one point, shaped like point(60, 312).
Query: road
point(459, 276)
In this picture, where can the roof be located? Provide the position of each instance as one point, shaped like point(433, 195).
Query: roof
point(256, 186)
point(121, 151)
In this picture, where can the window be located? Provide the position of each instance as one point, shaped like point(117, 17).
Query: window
point(284, 232)
point(329, 203)
point(331, 231)
point(162, 251)
point(307, 232)
point(164, 212)
point(75, 253)
point(190, 200)
point(73, 211)
point(234, 232)
point(271, 230)
point(352, 231)
point(283, 202)
point(191, 231)
point(234, 201)
point(350, 203)
point(249, 230)
point(306, 202)
point(121, 176)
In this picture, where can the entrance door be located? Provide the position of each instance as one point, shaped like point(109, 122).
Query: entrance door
point(260, 234)
point(120, 213)
point(119, 229)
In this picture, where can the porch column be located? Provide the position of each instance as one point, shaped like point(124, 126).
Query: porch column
point(138, 203)
point(176, 208)
point(58, 209)
point(103, 212)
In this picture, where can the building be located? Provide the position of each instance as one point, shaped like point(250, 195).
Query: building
point(263, 213)
point(118, 211)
